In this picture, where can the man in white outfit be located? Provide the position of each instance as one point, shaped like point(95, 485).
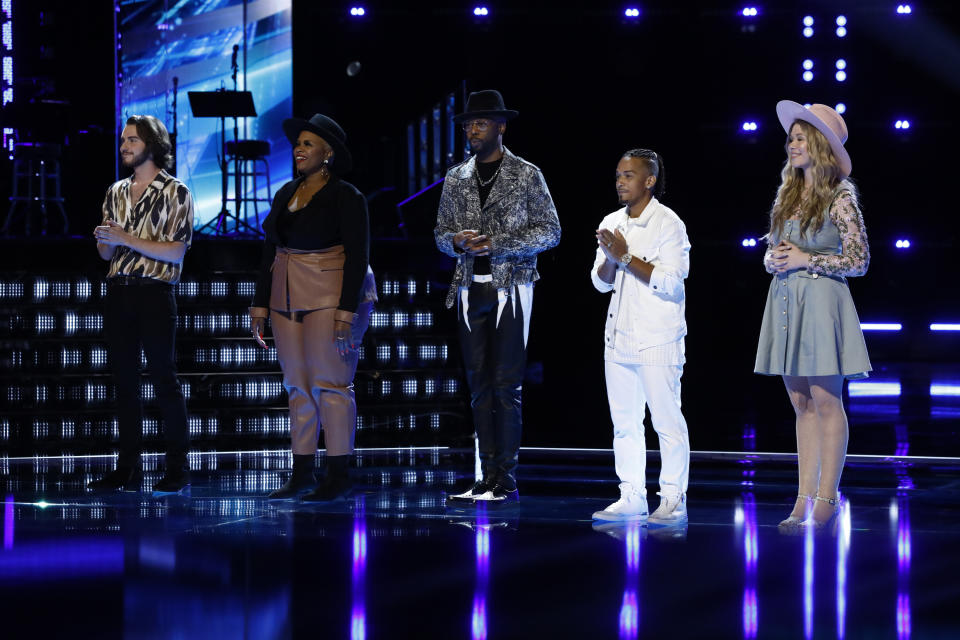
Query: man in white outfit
point(643, 257)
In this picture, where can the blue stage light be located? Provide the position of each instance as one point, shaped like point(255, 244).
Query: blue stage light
point(841, 32)
point(357, 12)
point(881, 326)
point(944, 389)
point(481, 11)
point(808, 64)
point(808, 32)
point(841, 63)
point(901, 124)
point(941, 326)
point(748, 242)
point(748, 125)
point(874, 388)
point(841, 76)
point(807, 76)
point(808, 21)
point(904, 9)
point(750, 12)
point(841, 107)
point(902, 243)
point(841, 21)
point(631, 12)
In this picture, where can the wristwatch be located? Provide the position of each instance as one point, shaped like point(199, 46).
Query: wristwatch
point(626, 258)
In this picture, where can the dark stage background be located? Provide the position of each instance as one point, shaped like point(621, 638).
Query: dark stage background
point(589, 84)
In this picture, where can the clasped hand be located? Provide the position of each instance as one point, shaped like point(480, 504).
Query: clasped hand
point(613, 244)
point(787, 257)
point(473, 243)
point(111, 234)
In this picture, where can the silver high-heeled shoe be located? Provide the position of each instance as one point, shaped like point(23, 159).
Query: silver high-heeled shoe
point(792, 522)
point(830, 522)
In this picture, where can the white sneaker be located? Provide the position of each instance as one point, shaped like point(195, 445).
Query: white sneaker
point(672, 510)
point(632, 505)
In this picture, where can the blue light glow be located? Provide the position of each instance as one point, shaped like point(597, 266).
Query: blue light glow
point(841, 21)
point(749, 126)
point(841, 107)
point(808, 32)
point(750, 12)
point(841, 32)
point(807, 76)
point(841, 64)
point(357, 11)
point(841, 76)
point(808, 583)
point(940, 326)
point(945, 389)
point(631, 12)
point(902, 243)
point(873, 389)
point(808, 21)
point(904, 9)
point(481, 11)
point(748, 242)
point(881, 326)
point(901, 124)
point(808, 64)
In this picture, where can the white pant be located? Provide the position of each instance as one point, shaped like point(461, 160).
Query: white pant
point(630, 388)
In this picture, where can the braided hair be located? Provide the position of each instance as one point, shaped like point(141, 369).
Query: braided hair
point(654, 164)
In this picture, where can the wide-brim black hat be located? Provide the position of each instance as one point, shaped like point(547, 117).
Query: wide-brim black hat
point(485, 104)
point(327, 129)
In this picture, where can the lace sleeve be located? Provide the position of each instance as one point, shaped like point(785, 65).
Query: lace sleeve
point(854, 256)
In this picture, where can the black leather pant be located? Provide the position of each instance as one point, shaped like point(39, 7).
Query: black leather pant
point(495, 359)
point(144, 315)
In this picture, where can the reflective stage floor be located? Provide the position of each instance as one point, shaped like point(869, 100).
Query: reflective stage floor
point(394, 562)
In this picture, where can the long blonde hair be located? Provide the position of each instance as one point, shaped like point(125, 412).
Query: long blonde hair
point(827, 181)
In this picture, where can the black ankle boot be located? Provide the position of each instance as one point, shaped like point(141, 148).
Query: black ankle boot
point(125, 477)
point(336, 484)
point(300, 480)
point(176, 477)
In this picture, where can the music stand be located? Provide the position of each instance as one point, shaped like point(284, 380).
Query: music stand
point(224, 104)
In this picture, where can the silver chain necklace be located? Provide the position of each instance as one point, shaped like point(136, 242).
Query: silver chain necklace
point(493, 177)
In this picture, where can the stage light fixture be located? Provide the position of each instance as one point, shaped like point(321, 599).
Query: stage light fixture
point(748, 125)
point(807, 76)
point(429, 387)
point(841, 21)
point(411, 287)
point(409, 387)
point(808, 64)
point(841, 76)
point(871, 389)
point(399, 320)
point(357, 12)
point(481, 11)
point(383, 352)
point(841, 64)
point(841, 108)
point(403, 352)
point(941, 326)
point(750, 12)
point(841, 32)
point(379, 320)
point(902, 243)
point(748, 242)
point(901, 124)
point(904, 9)
point(881, 326)
point(423, 319)
point(631, 12)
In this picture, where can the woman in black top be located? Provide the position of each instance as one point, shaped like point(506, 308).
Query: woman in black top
point(316, 286)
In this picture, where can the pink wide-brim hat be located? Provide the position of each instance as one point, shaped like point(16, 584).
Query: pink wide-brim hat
point(826, 120)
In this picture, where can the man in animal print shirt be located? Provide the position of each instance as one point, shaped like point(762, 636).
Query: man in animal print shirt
point(146, 229)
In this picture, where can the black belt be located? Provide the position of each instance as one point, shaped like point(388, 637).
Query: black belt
point(135, 281)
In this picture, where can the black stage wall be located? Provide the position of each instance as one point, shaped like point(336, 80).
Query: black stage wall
point(590, 84)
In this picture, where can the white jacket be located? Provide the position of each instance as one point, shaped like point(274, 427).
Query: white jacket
point(644, 315)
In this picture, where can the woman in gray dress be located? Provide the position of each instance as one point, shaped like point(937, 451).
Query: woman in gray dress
point(811, 334)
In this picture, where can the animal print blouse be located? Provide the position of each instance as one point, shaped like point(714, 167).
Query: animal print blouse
point(164, 213)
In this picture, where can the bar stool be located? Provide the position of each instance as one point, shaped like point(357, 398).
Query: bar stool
point(34, 165)
point(250, 153)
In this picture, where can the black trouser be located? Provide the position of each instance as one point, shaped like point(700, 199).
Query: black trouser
point(495, 359)
point(143, 313)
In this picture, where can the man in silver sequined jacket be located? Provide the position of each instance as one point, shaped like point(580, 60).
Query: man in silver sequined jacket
point(495, 216)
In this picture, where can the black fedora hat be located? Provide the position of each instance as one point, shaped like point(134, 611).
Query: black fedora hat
point(485, 104)
point(327, 129)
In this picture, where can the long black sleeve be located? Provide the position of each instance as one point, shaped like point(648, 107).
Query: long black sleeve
point(355, 235)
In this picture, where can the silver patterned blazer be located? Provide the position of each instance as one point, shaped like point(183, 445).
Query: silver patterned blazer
point(519, 217)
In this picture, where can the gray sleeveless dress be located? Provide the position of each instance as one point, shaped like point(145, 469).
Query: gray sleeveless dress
point(810, 326)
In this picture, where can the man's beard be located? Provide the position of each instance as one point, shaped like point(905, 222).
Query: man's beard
point(135, 160)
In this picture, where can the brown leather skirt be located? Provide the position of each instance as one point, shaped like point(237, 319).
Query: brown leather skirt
point(311, 280)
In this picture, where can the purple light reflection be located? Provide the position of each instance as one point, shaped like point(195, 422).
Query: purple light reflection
point(358, 614)
point(8, 523)
point(808, 583)
point(903, 566)
point(478, 616)
point(843, 553)
point(748, 516)
point(629, 622)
